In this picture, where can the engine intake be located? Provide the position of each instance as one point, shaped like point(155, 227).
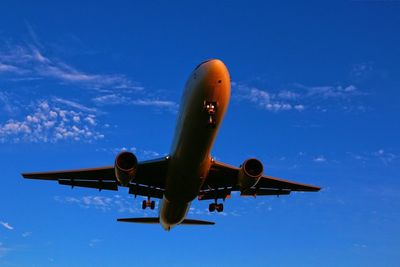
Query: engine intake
point(249, 174)
point(125, 167)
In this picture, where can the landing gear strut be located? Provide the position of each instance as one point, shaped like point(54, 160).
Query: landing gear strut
point(148, 203)
point(216, 207)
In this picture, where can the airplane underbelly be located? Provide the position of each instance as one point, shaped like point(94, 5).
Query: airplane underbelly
point(196, 130)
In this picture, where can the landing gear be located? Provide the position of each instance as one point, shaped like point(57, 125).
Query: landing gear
point(216, 207)
point(211, 107)
point(219, 207)
point(148, 203)
point(211, 207)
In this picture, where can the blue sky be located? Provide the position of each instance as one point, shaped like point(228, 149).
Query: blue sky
point(315, 96)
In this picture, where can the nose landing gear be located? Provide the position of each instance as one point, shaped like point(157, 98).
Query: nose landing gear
point(211, 107)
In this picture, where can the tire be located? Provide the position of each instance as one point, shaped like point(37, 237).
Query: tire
point(211, 207)
point(144, 204)
point(152, 205)
point(220, 207)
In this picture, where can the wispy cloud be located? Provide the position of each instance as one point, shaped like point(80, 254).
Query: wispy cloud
point(94, 242)
point(73, 104)
point(26, 234)
point(320, 158)
point(360, 71)
point(8, 104)
point(330, 91)
point(30, 61)
point(298, 98)
point(117, 99)
point(117, 203)
point(380, 155)
point(48, 122)
point(384, 156)
point(4, 250)
point(7, 225)
point(267, 100)
point(9, 68)
point(33, 62)
point(143, 154)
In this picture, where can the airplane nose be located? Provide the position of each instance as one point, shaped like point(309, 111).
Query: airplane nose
point(214, 68)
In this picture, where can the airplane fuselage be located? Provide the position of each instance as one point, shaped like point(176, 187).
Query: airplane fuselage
point(203, 106)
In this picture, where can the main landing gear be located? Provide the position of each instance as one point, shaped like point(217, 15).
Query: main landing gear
point(216, 207)
point(148, 203)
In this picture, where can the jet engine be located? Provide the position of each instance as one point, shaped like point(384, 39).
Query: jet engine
point(125, 167)
point(249, 174)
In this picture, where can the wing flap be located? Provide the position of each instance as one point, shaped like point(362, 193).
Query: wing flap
point(272, 182)
point(265, 192)
point(140, 190)
point(101, 185)
point(223, 175)
point(149, 179)
point(102, 173)
point(214, 194)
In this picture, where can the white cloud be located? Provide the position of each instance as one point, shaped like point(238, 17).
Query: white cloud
point(4, 250)
point(385, 157)
point(361, 70)
point(95, 241)
point(110, 99)
point(7, 225)
point(331, 91)
point(49, 122)
point(30, 61)
point(143, 154)
point(155, 103)
point(381, 155)
point(7, 103)
point(117, 99)
point(9, 68)
point(115, 203)
point(26, 234)
point(319, 159)
point(74, 104)
point(281, 101)
point(299, 98)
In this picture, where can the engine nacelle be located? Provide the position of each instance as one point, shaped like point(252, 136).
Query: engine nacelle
point(249, 174)
point(125, 167)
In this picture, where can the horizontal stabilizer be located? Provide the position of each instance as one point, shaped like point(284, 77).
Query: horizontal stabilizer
point(149, 220)
point(196, 222)
point(154, 220)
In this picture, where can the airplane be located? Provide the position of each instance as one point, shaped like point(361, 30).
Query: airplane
point(189, 171)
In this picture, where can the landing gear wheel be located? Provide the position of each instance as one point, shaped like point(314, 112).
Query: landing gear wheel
point(220, 207)
point(144, 204)
point(152, 205)
point(211, 207)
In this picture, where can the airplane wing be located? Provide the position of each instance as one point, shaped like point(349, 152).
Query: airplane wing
point(223, 179)
point(149, 179)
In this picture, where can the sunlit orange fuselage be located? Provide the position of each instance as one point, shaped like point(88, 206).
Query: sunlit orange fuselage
point(190, 158)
